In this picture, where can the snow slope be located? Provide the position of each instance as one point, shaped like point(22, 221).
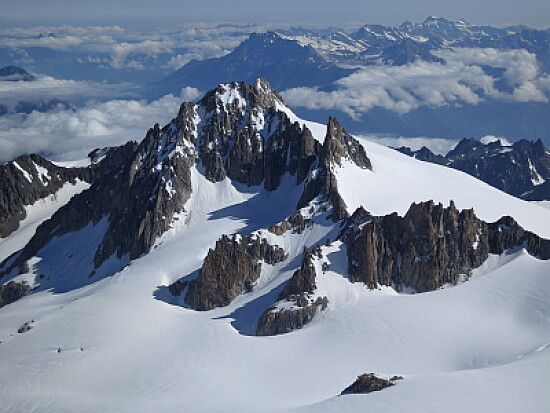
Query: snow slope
point(36, 214)
point(121, 345)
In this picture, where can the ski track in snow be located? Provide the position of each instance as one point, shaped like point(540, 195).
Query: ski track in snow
point(113, 346)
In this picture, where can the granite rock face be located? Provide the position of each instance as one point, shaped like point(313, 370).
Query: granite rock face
point(429, 247)
point(230, 269)
point(298, 293)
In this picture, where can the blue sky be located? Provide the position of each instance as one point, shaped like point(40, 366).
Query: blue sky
point(342, 12)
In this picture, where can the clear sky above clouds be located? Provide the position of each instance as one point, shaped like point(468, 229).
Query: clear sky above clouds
point(495, 12)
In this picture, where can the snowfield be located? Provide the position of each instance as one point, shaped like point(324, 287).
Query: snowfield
point(123, 344)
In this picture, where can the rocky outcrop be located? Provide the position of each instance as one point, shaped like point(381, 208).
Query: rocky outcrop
point(337, 147)
point(429, 247)
point(295, 305)
point(369, 382)
point(12, 291)
point(230, 269)
point(506, 234)
point(296, 223)
point(26, 327)
point(177, 288)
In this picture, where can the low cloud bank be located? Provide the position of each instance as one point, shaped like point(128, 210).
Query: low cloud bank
point(66, 134)
point(465, 79)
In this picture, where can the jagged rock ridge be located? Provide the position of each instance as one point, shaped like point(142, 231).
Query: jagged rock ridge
point(337, 147)
point(521, 170)
point(27, 179)
point(429, 247)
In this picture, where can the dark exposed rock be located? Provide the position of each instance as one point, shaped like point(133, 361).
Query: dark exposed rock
point(29, 178)
point(274, 322)
point(338, 145)
point(429, 247)
point(522, 169)
point(147, 184)
point(367, 383)
point(250, 140)
point(22, 183)
point(25, 327)
point(295, 223)
point(298, 291)
point(506, 234)
point(12, 291)
point(303, 280)
point(177, 288)
point(230, 269)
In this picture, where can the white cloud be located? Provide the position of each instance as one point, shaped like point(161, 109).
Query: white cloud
point(120, 48)
point(491, 138)
point(439, 146)
point(69, 135)
point(44, 88)
point(404, 88)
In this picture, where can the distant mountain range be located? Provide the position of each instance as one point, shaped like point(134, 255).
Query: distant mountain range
point(521, 169)
point(15, 73)
point(18, 74)
point(377, 44)
point(284, 61)
point(301, 57)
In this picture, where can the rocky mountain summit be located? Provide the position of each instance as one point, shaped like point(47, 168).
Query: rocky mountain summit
point(14, 74)
point(237, 131)
point(245, 136)
point(521, 169)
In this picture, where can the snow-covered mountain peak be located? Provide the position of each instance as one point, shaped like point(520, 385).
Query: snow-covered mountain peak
point(241, 211)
